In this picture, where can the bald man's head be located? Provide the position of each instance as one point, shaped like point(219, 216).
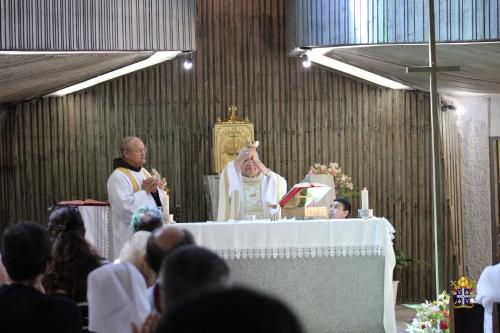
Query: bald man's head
point(162, 241)
point(133, 151)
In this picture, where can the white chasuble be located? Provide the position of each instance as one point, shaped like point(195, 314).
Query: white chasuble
point(125, 201)
point(253, 199)
point(236, 195)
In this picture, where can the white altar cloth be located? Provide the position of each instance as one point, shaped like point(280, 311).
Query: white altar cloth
point(302, 239)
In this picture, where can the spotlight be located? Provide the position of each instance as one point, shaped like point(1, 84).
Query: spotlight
point(305, 61)
point(188, 63)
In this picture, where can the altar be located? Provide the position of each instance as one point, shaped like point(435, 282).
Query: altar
point(335, 274)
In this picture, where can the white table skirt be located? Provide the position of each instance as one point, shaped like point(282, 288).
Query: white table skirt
point(98, 229)
point(319, 238)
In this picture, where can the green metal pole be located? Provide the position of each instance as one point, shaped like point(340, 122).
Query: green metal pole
point(436, 191)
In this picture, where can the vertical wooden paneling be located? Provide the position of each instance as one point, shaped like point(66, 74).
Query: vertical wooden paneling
point(7, 167)
point(453, 250)
point(97, 25)
point(62, 148)
point(388, 21)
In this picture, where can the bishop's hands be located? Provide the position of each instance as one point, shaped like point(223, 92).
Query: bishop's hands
point(248, 155)
point(262, 168)
point(150, 185)
point(245, 154)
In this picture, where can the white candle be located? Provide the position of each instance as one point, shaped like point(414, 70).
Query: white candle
point(166, 209)
point(364, 199)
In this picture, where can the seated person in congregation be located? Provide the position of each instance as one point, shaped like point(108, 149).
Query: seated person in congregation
point(72, 259)
point(146, 219)
point(247, 186)
point(339, 209)
point(24, 306)
point(245, 311)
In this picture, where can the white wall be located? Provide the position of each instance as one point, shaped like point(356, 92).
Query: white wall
point(478, 118)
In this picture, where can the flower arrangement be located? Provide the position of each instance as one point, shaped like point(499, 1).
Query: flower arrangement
point(432, 317)
point(343, 183)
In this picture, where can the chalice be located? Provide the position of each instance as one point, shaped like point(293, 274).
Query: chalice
point(273, 211)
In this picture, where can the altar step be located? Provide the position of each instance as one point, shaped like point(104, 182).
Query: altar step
point(404, 316)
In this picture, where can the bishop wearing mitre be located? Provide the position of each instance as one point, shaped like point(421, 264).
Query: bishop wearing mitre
point(247, 187)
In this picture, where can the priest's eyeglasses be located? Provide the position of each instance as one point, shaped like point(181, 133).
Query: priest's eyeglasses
point(139, 151)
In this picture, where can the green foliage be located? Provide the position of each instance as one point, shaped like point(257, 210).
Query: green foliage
point(403, 260)
point(347, 193)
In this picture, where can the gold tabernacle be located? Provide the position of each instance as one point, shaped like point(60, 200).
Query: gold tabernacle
point(229, 136)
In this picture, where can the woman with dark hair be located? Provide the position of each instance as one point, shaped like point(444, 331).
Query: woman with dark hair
point(73, 258)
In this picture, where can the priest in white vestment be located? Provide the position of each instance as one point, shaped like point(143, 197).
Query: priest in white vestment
point(130, 187)
point(247, 187)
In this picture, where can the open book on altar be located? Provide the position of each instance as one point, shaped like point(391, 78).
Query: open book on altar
point(304, 195)
point(300, 202)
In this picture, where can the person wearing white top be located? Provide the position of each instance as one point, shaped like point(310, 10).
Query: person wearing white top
point(247, 187)
point(117, 298)
point(488, 292)
point(130, 187)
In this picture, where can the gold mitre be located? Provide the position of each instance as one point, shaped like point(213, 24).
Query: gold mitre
point(463, 293)
point(463, 282)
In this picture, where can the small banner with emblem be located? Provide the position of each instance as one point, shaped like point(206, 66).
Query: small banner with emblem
point(463, 293)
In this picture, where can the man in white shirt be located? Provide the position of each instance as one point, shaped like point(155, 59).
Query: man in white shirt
point(130, 187)
point(247, 187)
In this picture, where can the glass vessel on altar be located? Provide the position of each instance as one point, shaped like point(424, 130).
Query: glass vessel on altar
point(274, 210)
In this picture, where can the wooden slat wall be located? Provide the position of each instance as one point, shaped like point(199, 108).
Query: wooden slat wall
point(6, 165)
point(339, 22)
point(62, 147)
point(452, 200)
point(97, 25)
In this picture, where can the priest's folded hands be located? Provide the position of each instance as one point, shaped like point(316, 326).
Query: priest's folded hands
point(150, 185)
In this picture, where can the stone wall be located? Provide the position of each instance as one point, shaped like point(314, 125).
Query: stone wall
point(477, 118)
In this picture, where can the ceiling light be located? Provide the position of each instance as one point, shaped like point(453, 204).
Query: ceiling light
point(305, 61)
point(188, 63)
point(156, 58)
point(317, 56)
